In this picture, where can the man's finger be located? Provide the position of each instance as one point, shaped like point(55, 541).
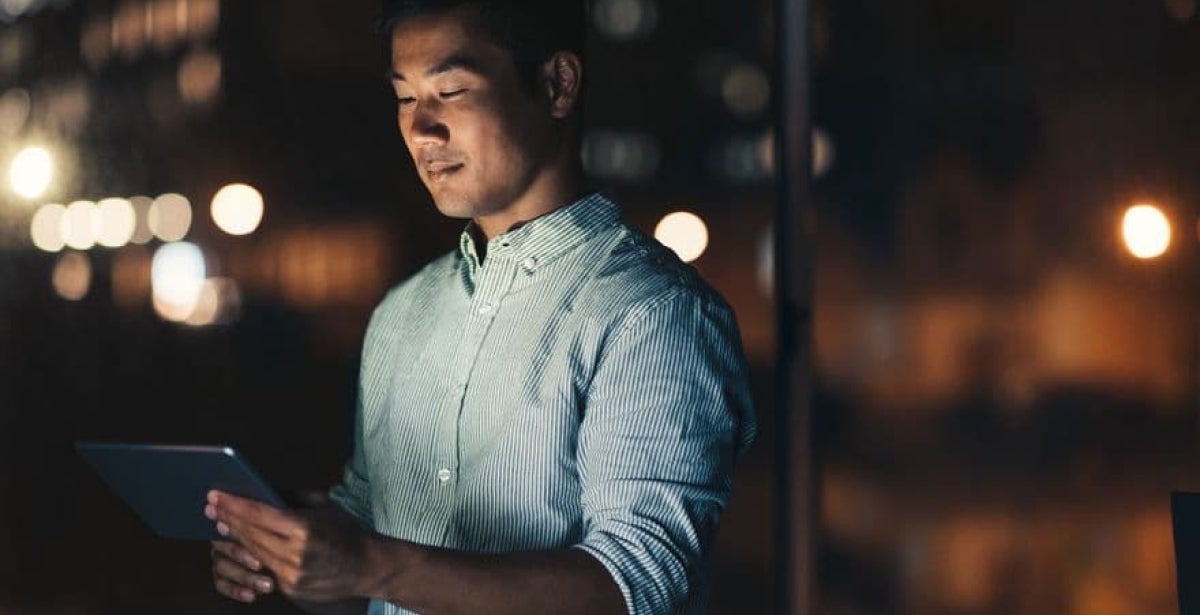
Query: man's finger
point(235, 591)
point(262, 515)
point(272, 550)
point(234, 552)
point(230, 571)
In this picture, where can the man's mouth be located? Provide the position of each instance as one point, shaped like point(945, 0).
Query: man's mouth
point(439, 171)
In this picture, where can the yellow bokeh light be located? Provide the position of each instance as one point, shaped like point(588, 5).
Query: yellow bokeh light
point(46, 227)
point(684, 233)
point(31, 171)
point(117, 220)
point(80, 225)
point(217, 303)
point(72, 276)
point(237, 209)
point(1146, 231)
point(199, 77)
point(170, 217)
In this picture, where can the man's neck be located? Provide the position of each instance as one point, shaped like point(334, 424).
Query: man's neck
point(552, 190)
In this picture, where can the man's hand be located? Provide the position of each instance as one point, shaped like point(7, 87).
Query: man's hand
point(237, 574)
point(315, 555)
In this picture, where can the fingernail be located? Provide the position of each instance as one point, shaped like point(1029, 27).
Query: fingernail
point(253, 563)
point(210, 512)
point(247, 595)
point(264, 585)
point(212, 497)
point(222, 529)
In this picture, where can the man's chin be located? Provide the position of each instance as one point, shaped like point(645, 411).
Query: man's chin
point(453, 206)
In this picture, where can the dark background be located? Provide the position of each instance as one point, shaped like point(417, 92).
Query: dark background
point(1005, 395)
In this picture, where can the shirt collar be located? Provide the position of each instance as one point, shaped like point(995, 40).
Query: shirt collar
point(544, 239)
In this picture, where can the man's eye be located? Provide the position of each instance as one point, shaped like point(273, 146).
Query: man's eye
point(404, 101)
point(452, 93)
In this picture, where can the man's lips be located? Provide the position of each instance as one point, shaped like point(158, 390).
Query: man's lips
point(439, 170)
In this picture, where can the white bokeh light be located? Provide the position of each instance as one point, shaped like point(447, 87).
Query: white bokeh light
point(170, 217)
point(237, 209)
point(46, 227)
point(684, 233)
point(31, 171)
point(177, 275)
point(117, 221)
point(80, 225)
point(1146, 231)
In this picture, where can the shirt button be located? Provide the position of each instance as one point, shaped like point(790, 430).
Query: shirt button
point(529, 264)
point(444, 475)
point(485, 308)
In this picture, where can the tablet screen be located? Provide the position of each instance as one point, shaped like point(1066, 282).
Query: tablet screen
point(167, 485)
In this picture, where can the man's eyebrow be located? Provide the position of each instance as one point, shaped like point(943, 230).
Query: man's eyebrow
point(445, 66)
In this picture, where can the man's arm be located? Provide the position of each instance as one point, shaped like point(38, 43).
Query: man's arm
point(319, 558)
point(439, 581)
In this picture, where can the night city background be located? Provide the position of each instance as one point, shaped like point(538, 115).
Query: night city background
point(1007, 338)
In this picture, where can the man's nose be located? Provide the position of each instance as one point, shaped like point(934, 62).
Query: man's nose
point(428, 125)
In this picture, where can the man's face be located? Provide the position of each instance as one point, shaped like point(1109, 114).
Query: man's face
point(477, 138)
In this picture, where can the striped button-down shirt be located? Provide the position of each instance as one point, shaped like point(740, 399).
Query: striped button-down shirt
point(579, 387)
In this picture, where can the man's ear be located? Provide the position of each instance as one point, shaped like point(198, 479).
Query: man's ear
point(562, 75)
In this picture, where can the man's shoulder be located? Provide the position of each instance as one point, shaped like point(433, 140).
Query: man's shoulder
point(638, 273)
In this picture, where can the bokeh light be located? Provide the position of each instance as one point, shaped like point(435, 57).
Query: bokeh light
point(203, 17)
point(31, 171)
point(218, 303)
point(746, 90)
point(129, 30)
point(72, 276)
point(14, 111)
point(45, 229)
point(177, 274)
point(117, 220)
point(170, 217)
point(823, 152)
point(624, 19)
point(131, 278)
point(626, 156)
point(166, 20)
point(80, 225)
point(141, 220)
point(66, 107)
point(95, 43)
point(237, 209)
point(684, 233)
point(199, 77)
point(1180, 10)
point(1146, 231)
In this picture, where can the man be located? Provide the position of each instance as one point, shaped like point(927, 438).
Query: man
point(548, 416)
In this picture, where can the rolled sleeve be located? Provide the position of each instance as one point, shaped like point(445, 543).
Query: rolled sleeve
point(667, 414)
point(353, 494)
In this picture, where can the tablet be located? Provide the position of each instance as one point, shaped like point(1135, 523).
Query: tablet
point(167, 485)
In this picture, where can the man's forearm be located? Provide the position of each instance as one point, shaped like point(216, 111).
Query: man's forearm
point(438, 581)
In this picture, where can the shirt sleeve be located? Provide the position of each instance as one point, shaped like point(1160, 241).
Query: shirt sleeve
point(353, 494)
point(667, 414)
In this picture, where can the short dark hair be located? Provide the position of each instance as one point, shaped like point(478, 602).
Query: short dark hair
point(530, 30)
